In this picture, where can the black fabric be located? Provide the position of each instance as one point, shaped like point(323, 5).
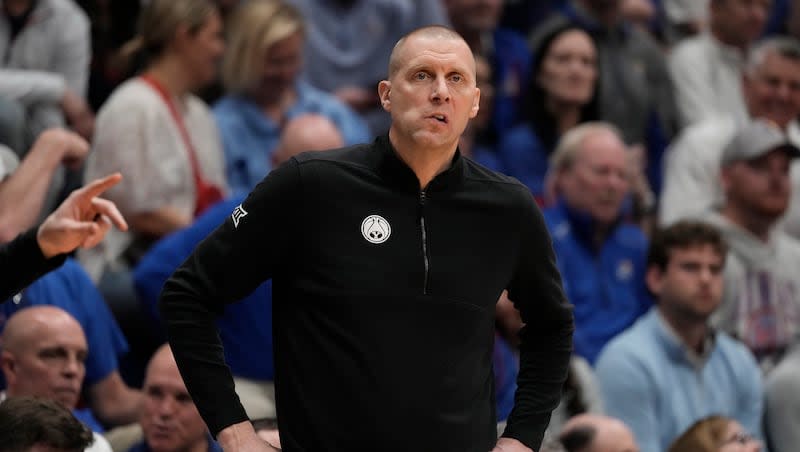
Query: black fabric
point(22, 262)
point(379, 346)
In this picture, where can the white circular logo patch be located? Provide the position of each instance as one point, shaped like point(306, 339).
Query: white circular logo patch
point(376, 229)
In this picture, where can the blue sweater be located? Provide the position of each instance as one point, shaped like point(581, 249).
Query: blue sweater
point(605, 285)
point(649, 382)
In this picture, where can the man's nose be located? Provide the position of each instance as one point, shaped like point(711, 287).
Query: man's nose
point(440, 92)
point(72, 367)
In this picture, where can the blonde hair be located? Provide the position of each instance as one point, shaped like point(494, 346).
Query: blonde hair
point(704, 435)
point(158, 21)
point(254, 27)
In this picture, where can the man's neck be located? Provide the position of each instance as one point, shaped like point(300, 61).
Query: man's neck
point(692, 332)
point(426, 163)
point(727, 41)
point(169, 73)
point(752, 223)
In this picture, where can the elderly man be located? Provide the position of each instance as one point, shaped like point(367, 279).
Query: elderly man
point(170, 420)
point(43, 355)
point(601, 258)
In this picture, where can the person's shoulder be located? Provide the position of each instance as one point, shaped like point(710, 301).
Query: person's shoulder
point(477, 173)
point(65, 12)
point(688, 48)
point(131, 96)
point(636, 344)
point(711, 133)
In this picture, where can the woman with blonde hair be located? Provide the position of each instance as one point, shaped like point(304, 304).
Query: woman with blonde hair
point(261, 75)
point(715, 434)
point(159, 135)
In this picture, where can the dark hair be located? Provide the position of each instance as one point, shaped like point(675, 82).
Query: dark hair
point(578, 438)
point(28, 421)
point(683, 234)
point(534, 110)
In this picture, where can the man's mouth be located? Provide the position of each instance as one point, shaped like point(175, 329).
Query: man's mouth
point(440, 118)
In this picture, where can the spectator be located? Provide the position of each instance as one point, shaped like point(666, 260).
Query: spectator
point(600, 257)
point(771, 90)
point(635, 92)
point(716, 434)
point(597, 433)
point(671, 367)
point(29, 424)
point(685, 18)
point(46, 59)
point(348, 44)
point(158, 135)
point(783, 404)
point(261, 74)
point(561, 94)
point(43, 355)
point(170, 421)
point(506, 51)
point(761, 302)
point(707, 69)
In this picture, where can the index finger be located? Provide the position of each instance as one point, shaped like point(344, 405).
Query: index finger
point(98, 186)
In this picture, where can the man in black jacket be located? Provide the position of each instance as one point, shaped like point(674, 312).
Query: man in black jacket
point(387, 260)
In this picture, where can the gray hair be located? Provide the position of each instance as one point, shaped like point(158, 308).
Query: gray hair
point(784, 46)
point(571, 143)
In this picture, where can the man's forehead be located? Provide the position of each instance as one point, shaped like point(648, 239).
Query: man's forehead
point(426, 47)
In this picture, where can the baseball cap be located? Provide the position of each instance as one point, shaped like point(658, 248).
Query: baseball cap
point(756, 138)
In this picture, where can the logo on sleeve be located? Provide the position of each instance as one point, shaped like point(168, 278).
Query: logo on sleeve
point(237, 215)
point(376, 229)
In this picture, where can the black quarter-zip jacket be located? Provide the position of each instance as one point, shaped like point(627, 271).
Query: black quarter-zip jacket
point(383, 304)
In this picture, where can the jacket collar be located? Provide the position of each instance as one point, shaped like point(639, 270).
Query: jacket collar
point(400, 175)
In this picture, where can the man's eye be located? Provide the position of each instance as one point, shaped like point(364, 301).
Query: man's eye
point(456, 78)
point(420, 76)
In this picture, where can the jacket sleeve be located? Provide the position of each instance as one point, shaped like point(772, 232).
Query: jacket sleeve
point(30, 87)
point(226, 266)
point(546, 339)
point(22, 262)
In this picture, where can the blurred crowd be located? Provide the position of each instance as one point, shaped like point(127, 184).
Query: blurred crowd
point(659, 138)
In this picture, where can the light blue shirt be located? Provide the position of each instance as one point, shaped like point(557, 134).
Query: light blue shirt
point(249, 137)
point(651, 381)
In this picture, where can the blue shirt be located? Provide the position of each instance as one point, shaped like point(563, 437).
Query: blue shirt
point(245, 327)
point(605, 285)
point(70, 288)
point(524, 157)
point(249, 137)
point(649, 382)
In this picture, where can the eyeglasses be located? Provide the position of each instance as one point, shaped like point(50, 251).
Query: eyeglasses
point(739, 438)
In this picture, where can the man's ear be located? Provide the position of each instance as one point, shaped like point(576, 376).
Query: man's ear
point(8, 365)
point(384, 90)
point(654, 278)
point(476, 103)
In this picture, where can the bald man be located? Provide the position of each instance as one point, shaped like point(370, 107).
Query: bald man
point(597, 433)
point(384, 299)
point(170, 420)
point(43, 355)
point(307, 132)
